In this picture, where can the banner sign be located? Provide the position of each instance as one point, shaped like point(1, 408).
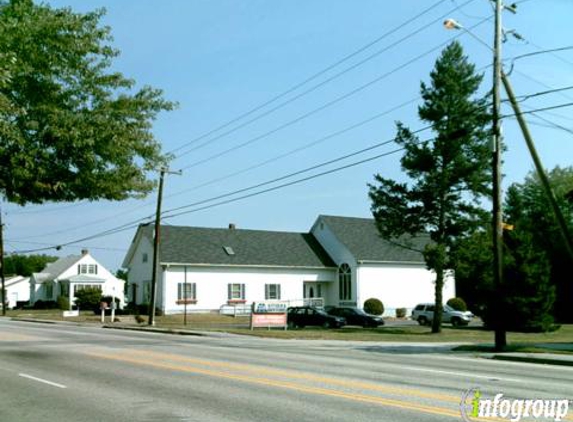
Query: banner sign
point(268, 320)
point(270, 307)
point(269, 314)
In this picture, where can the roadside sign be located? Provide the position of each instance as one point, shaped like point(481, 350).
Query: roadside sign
point(269, 314)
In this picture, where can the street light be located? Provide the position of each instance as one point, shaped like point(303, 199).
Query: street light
point(500, 334)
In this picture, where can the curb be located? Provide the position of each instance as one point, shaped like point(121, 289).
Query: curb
point(532, 359)
point(46, 321)
point(157, 330)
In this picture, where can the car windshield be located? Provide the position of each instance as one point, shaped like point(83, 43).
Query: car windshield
point(448, 308)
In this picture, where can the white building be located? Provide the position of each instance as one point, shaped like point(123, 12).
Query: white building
point(68, 275)
point(342, 260)
point(17, 290)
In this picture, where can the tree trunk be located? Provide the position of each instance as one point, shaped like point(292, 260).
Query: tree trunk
point(438, 309)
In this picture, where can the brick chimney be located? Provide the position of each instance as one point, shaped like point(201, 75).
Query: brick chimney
point(85, 252)
point(232, 226)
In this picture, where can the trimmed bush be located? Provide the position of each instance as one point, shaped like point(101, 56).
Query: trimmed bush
point(400, 312)
point(88, 299)
point(63, 303)
point(458, 304)
point(373, 306)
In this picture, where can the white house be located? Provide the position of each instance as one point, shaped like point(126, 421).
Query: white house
point(342, 260)
point(17, 290)
point(70, 274)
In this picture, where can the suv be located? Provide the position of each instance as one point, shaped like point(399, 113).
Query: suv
point(424, 314)
point(355, 316)
point(301, 316)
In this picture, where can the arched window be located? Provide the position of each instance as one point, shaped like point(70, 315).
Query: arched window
point(344, 282)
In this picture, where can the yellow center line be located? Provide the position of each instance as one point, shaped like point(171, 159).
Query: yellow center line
point(299, 375)
point(400, 404)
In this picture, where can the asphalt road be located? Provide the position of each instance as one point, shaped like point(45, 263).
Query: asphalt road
point(53, 372)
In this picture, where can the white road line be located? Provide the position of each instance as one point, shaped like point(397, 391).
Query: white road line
point(462, 374)
point(54, 384)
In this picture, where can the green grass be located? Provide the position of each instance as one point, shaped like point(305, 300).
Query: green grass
point(471, 335)
point(481, 340)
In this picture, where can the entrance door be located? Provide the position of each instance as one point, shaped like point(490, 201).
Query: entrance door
point(313, 290)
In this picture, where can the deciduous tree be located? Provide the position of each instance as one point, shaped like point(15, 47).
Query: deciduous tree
point(70, 127)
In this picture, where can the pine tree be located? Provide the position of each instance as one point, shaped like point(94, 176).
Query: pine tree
point(448, 174)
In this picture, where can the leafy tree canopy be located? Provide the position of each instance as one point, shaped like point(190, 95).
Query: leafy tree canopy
point(448, 174)
point(70, 128)
point(25, 265)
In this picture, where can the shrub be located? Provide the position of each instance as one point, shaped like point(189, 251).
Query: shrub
point(45, 304)
point(88, 298)
point(400, 312)
point(458, 304)
point(373, 306)
point(63, 303)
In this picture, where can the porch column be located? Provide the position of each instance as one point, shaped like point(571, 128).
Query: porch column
point(70, 295)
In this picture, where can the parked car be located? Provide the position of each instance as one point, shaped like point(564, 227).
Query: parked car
point(355, 316)
point(302, 316)
point(424, 314)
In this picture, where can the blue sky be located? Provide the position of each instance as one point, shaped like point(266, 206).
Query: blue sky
point(221, 58)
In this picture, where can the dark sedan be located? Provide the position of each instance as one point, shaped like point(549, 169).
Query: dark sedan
point(302, 316)
point(356, 316)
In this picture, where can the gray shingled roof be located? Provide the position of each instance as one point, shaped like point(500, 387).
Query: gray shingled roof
point(54, 269)
point(197, 245)
point(362, 239)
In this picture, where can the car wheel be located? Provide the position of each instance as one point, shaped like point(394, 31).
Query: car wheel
point(423, 320)
point(326, 324)
point(456, 322)
point(291, 325)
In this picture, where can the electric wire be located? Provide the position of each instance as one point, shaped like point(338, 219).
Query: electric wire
point(328, 104)
point(314, 76)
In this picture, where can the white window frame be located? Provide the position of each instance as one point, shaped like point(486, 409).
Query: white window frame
point(236, 292)
point(186, 293)
point(273, 291)
point(87, 269)
point(344, 282)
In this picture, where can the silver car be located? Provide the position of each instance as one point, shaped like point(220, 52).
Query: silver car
point(424, 314)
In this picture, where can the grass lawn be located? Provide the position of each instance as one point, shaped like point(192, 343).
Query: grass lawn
point(415, 334)
point(477, 338)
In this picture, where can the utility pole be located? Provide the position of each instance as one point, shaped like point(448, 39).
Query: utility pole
point(156, 242)
point(500, 332)
point(2, 265)
point(563, 229)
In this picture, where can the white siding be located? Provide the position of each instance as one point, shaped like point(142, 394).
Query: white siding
point(139, 271)
point(211, 284)
point(17, 289)
point(400, 286)
point(340, 255)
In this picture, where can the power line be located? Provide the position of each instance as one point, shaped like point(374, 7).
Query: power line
point(296, 150)
point(296, 173)
point(314, 76)
point(294, 182)
point(328, 104)
point(320, 84)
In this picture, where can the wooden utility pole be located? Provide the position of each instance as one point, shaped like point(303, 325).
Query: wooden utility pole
point(563, 228)
point(156, 241)
point(500, 332)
